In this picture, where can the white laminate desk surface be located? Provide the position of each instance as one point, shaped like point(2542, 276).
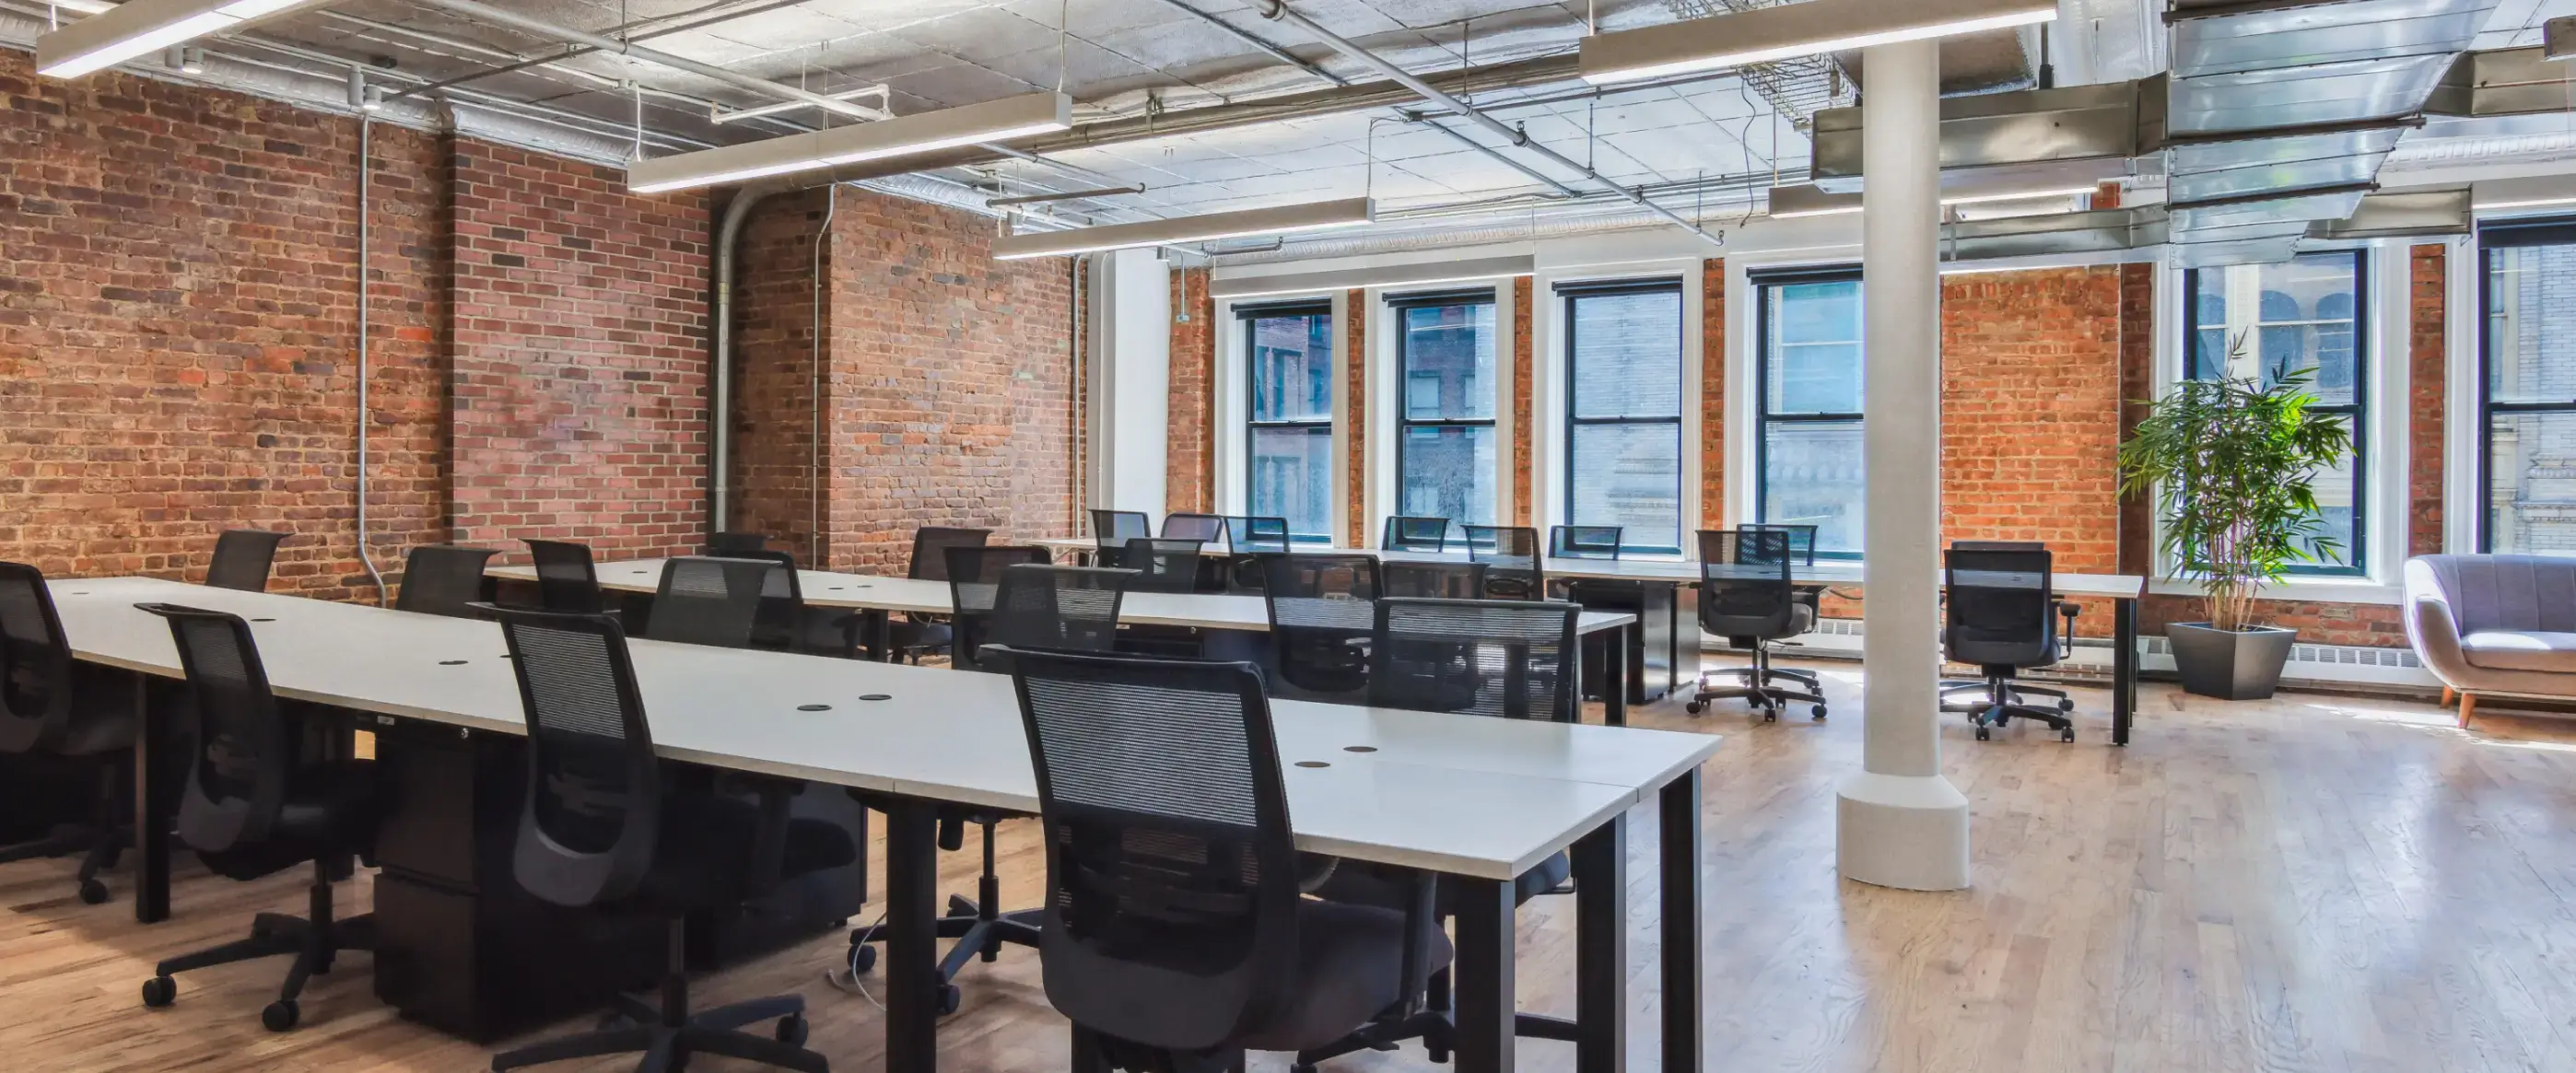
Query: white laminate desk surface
point(1212, 611)
point(1460, 794)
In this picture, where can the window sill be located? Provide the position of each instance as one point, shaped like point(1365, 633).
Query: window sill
point(2322, 590)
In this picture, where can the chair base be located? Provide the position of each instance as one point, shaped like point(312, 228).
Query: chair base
point(667, 1037)
point(980, 928)
point(2000, 705)
point(1759, 682)
point(101, 842)
point(315, 942)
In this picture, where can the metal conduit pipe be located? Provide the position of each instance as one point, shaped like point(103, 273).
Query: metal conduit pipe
point(720, 360)
point(1278, 11)
point(503, 16)
point(1264, 47)
point(366, 167)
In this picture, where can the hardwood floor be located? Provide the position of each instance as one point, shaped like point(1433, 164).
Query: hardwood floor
point(2312, 883)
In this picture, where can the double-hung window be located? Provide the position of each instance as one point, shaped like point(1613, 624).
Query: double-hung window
point(1809, 413)
point(1623, 410)
point(2527, 357)
point(1288, 439)
point(1444, 435)
point(2261, 322)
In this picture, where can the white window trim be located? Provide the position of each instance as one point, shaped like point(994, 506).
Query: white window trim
point(2463, 490)
point(1743, 374)
point(1547, 392)
point(1227, 409)
point(1384, 394)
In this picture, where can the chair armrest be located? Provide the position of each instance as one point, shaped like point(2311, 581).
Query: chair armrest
point(2432, 627)
point(2066, 637)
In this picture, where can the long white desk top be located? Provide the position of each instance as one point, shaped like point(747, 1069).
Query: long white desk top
point(1211, 611)
point(2118, 586)
point(1460, 794)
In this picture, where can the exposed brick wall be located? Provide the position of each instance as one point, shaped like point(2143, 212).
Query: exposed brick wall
point(2427, 389)
point(773, 460)
point(178, 331)
point(1189, 464)
point(950, 383)
point(1524, 366)
point(580, 357)
point(2137, 384)
point(2367, 625)
point(1712, 375)
point(2030, 399)
point(1355, 360)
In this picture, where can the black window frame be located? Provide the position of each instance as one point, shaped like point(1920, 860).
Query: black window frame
point(2504, 234)
point(1567, 295)
point(2356, 414)
point(1244, 315)
point(1762, 282)
point(1397, 304)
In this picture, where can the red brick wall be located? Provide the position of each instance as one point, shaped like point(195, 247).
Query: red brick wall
point(1524, 422)
point(1712, 375)
point(2427, 388)
point(2030, 402)
point(1189, 462)
point(1355, 359)
point(2137, 384)
point(178, 331)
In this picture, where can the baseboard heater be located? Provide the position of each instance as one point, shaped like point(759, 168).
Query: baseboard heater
point(2329, 666)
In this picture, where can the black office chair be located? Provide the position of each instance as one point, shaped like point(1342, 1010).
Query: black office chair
point(1252, 540)
point(732, 545)
point(1510, 555)
point(974, 583)
point(2016, 689)
point(252, 807)
point(1434, 581)
point(51, 706)
point(1162, 564)
point(920, 635)
point(242, 558)
point(1112, 529)
point(444, 579)
point(1175, 937)
point(1320, 608)
point(566, 581)
point(599, 830)
point(1204, 528)
point(1748, 595)
point(1056, 609)
point(1415, 533)
point(1802, 539)
point(1585, 541)
point(704, 601)
point(2003, 619)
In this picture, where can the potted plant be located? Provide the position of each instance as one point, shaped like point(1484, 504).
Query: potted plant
point(2232, 462)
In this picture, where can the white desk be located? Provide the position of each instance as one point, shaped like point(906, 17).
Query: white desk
point(1481, 800)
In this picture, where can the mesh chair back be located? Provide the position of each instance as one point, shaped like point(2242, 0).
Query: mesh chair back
point(1318, 605)
point(1998, 545)
point(1255, 534)
point(443, 579)
point(1802, 540)
point(706, 601)
point(1510, 555)
point(1512, 659)
point(930, 545)
point(1171, 875)
point(1431, 581)
point(1054, 609)
point(1411, 533)
point(1585, 541)
point(1114, 528)
point(781, 620)
point(592, 816)
point(237, 779)
point(1162, 565)
point(35, 663)
point(733, 545)
point(565, 580)
point(1204, 528)
point(974, 584)
point(2000, 609)
point(241, 559)
point(1746, 584)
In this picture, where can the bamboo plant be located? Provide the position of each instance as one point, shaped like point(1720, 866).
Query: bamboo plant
point(2232, 464)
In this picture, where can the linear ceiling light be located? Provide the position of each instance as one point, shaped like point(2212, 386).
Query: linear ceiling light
point(991, 121)
point(1311, 216)
point(1791, 202)
point(143, 27)
point(1787, 31)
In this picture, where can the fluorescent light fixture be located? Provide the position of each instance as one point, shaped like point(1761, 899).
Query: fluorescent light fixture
point(1427, 274)
point(2529, 192)
point(1786, 31)
point(991, 121)
point(143, 27)
point(1311, 216)
point(2018, 195)
point(2525, 203)
point(1791, 202)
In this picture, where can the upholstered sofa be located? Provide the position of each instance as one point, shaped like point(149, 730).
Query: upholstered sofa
point(2494, 624)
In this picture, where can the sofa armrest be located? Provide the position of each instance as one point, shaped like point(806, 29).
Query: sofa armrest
point(2431, 627)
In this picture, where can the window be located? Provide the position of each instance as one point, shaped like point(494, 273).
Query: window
point(1288, 351)
point(1623, 410)
point(2527, 353)
point(2264, 321)
point(1444, 437)
point(1810, 410)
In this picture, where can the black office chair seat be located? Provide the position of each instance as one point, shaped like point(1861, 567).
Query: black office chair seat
point(1348, 968)
point(1388, 886)
point(104, 728)
point(327, 811)
point(704, 855)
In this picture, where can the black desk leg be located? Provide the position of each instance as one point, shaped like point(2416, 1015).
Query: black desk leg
point(912, 937)
point(1601, 949)
point(881, 626)
point(2124, 668)
point(1680, 804)
point(1482, 976)
point(152, 819)
point(1614, 678)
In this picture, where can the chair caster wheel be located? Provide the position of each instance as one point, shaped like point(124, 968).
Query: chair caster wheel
point(2065, 705)
point(93, 892)
point(839, 923)
point(160, 991)
point(862, 958)
point(949, 999)
point(791, 1030)
point(2067, 735)
point(1983, 734)
point(280, 1015)
point(1817, 713)
point(1694, 707)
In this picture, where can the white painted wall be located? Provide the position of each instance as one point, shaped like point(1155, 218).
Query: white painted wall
point(1130, 354)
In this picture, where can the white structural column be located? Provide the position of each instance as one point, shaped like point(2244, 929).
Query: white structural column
point(1901, 824)
point(1131, 379)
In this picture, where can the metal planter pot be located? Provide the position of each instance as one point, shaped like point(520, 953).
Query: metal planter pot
point(2239, 665)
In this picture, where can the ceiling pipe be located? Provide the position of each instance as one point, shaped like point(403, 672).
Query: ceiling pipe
point(474, 10)
point(579, 51)
point(1264, 47)
point(1278, 11)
